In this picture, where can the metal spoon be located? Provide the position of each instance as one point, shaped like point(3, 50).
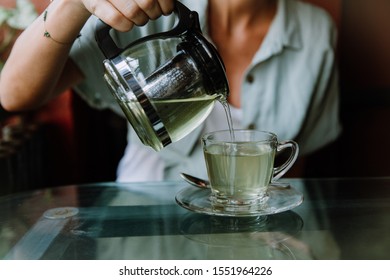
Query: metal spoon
point(197, 182)
point(204, 184)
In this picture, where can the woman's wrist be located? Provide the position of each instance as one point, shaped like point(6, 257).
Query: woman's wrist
point(63, 20)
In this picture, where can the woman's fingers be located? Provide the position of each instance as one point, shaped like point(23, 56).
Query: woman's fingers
point(133, 11)
point(124, 14)
point(108, 12)
point(166, 6)
point(151, 8)
point(141, 11)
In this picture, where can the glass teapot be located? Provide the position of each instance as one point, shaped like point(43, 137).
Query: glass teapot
point(166, 83)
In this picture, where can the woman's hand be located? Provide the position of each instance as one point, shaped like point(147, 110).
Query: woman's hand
point(122, 15)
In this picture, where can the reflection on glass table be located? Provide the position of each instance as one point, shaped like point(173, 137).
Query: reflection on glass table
point(338, 219)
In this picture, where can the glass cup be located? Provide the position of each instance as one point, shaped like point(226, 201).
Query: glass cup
point(241, 167)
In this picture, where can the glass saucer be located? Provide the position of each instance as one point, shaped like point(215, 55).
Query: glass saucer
point(280, 199)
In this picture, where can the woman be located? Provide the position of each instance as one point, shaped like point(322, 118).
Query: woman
point(279, 58)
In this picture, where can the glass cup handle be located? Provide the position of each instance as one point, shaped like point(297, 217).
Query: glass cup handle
point(279, 171)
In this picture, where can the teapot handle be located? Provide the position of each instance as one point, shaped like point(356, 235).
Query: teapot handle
point(188, 20)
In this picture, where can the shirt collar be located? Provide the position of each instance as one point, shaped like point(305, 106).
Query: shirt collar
point(284, 32)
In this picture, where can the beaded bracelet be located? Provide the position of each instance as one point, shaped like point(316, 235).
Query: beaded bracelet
point(48, 35)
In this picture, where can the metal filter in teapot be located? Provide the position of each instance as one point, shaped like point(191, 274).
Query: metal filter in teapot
point(166, 83)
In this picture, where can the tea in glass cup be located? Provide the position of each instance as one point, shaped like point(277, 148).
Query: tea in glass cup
point(240, 165)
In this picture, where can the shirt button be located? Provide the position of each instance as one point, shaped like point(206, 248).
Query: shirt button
point(250, 78)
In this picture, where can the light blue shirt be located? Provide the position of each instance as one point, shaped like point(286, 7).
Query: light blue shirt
point(290, 88)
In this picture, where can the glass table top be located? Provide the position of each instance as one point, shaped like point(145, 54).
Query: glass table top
point(338, 219)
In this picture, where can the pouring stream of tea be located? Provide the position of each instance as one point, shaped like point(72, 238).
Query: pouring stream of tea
point(228, 113)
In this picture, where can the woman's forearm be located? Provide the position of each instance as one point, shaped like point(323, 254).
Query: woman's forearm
point(36, 62)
